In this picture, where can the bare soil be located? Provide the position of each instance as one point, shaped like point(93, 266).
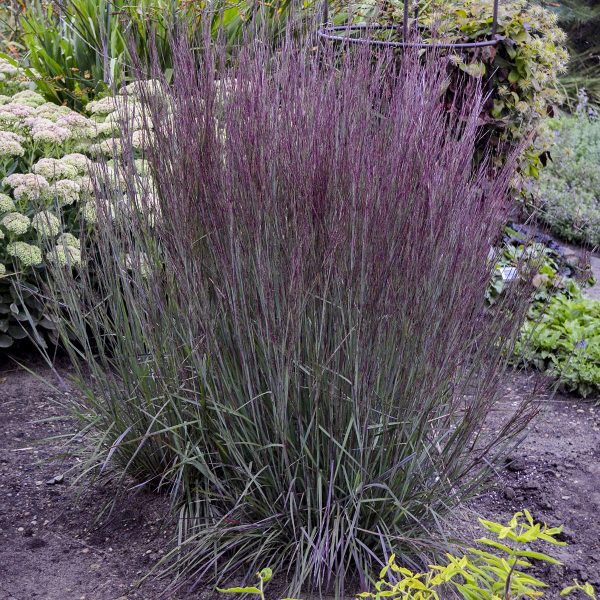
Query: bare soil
point(554, 473)
point(50, 547)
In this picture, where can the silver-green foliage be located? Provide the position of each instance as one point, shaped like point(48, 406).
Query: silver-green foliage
point(568, 190)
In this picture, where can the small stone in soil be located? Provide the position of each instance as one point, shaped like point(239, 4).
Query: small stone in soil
point(55, 480)
point(516, 464)
point(509, 493)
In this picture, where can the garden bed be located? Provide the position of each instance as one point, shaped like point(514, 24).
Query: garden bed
point(50, 549)
point(49, 545)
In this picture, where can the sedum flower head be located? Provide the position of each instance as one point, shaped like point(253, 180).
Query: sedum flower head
point(8, 68)
point(65, 191)
point(141, 139)
point(79, 125)
point(29, 179)
point(51, 134)
point(52, 168)
point(46, 223)
point(2, 270)
point(12, 136)
point(37, 122)
point(102, 107)
point(18, 110)
point(86, 185)
point(147, 88)
point(89, 212)
point(106, 128)
point(142, 166)
point(30, 98)
point(68, 239)
point(10, 144)
point(6, 203)
point(64, 255)
point(27, 254)
point(28, 186)
point(108, 147)
point(16, 223)
point(52, 111)
point(81, 162)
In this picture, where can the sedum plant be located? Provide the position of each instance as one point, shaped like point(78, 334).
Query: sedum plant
point(494, 571)
point(290, 333)
point(46, 162)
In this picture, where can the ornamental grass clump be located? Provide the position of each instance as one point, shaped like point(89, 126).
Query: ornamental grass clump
point(291, 337)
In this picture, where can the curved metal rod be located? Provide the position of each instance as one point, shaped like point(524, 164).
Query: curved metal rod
point(325, 30)
point(328, 33)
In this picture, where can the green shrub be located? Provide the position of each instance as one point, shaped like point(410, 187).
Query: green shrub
point(521, 71)
point(526, 256)
point(568, 191)
point(494, 571)
point(536, 264)
point(563, 339)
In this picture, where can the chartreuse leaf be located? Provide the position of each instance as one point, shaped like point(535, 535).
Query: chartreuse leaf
point(240, 590)
point(538, 556)
point(265, 575)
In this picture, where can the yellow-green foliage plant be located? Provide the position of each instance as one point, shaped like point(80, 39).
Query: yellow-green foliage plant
point(497, 570)
point(521, 71)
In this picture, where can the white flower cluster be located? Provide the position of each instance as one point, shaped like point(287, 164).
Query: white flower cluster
point(27, 186)
point(7, 68)
point(53, 168)
point(81, 162)
point(51, 133)
point(46, 124)
point(46, 223)
point(27, 254)
point(65, 192)
point(6, 204)
point(57, 188)
point(46, 173)
point(125, 112)
point(29, 98)
point(144, 89)
point(64, 255)
point(16, 223)
point(11, 145)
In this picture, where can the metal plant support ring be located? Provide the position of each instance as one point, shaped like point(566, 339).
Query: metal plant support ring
point(336, 33)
